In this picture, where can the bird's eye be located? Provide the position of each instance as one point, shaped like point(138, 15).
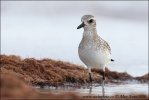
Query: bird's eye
point(91, 21)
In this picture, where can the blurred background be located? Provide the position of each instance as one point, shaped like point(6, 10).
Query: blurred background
point(48, 29)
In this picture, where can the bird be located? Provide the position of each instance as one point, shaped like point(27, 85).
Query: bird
point(93, 50)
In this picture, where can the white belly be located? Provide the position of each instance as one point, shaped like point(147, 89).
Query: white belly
point(92, 58)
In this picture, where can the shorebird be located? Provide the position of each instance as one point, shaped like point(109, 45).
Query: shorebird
point(93, 50)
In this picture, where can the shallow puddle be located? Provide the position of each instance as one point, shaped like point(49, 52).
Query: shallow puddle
point(110, 89)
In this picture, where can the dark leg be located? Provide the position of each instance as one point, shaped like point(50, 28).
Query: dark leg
point(90, 77)
point(103, 75)
point(103, 79)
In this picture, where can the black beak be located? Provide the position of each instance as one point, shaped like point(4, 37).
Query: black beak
point(81, 25)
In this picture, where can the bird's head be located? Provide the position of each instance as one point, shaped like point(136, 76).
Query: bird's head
point(88, 21)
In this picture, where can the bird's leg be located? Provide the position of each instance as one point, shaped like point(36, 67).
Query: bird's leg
point(90, 79)
point(103, 79)
point(90, 75)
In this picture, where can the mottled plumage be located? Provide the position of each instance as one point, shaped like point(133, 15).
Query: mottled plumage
point(93, 50)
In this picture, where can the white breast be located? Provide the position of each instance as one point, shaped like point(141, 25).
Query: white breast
point(93, 51)
point(94, 58)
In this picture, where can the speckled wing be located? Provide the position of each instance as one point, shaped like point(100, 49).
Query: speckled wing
point(108, 47)
point(104, 44)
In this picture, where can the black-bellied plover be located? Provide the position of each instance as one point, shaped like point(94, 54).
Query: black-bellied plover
point(93, 50)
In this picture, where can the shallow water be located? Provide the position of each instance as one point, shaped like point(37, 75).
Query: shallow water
point(110, 89)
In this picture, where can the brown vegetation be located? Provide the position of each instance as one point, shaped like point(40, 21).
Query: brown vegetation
point(13, 88)
point(51, 72)
point(16, 73)
point(144, 78)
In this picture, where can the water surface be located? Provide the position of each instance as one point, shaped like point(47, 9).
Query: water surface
point(110, 89)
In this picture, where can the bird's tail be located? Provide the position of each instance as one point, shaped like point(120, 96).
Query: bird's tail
point(112, 59)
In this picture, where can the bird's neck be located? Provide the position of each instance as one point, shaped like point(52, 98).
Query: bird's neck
point(90, 32)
